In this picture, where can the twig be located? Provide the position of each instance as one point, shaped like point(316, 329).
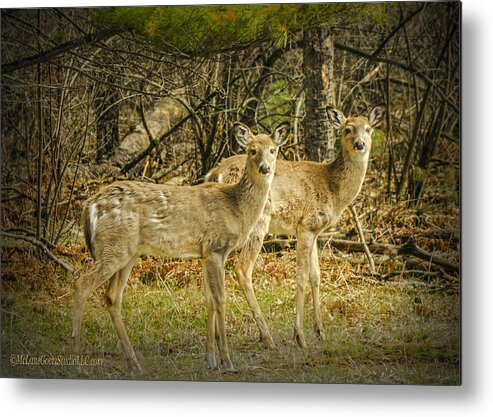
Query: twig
point(386, 277)
point(413, 70)
point(144, 121)
point(401, 24)
point(450, 278)
point(28, 232)
point(362, 240)
point(130, 165)
point(41, 246)
point(162, 173)
point(46, 56)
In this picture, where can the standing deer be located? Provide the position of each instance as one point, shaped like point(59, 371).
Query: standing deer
point(129, 219)
point(305, 199)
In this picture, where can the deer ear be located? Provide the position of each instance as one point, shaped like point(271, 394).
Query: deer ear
point(281, 133)
point(336, 117)
point(376, 115)
point(242, 134)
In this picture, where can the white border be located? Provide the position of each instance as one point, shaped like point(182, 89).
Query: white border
point(84, 398)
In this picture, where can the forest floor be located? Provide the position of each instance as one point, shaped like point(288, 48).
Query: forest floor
point(401, 331)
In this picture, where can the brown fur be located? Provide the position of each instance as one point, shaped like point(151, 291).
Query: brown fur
point(305, 199)
point(128, 219)
point(87, 231)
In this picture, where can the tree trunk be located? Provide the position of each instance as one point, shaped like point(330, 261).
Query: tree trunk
point(318, 68)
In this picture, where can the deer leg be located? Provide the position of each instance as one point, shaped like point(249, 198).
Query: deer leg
point(214, 269)
point(82, 293)
point(315, 284)
point(97, 275)
point(305, 242)
point(212, 329)
point(213, 318)
point(113, 298)
point(244, 270)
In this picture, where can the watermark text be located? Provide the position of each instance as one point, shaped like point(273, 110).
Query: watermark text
point(55, 360)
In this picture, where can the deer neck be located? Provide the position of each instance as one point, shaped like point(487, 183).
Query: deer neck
point(251, 196)
point(345, 178)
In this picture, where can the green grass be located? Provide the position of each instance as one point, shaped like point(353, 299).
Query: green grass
point(376, 332)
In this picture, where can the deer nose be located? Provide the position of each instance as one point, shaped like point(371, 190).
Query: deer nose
point(359, 145)
point(264, 169)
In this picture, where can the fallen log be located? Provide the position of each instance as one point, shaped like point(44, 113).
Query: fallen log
point(409, 248)
point(352, 246)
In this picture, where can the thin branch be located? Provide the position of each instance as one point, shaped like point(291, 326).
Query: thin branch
point(371, 262)
point(57, 50)
point(129, 166)
point(144, 120)
point(390, 275)
point(41, 246)
point(396, 29)
point(418, 72)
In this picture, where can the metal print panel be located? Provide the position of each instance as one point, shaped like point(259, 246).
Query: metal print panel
point(262, 193)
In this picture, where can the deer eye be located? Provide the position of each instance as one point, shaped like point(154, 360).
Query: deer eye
point(347, 131)
point(272, 151)
point(253, 152)
point(368, 130)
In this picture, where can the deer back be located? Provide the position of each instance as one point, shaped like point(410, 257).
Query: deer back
point(132, 218)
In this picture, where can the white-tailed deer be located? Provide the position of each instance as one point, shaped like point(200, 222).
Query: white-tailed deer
point(305, 199)
point(128, 219)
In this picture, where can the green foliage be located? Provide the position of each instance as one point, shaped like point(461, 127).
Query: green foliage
point(451, 182)
point(208, 29)
point(378, 143)
point(418, 175)
point(280, 95)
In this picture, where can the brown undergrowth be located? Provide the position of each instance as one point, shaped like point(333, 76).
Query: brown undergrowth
point(401, 331)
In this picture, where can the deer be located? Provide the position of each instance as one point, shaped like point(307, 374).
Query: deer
point(128, 219)
point(306, 198)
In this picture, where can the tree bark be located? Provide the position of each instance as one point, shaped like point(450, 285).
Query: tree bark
point(318, 68)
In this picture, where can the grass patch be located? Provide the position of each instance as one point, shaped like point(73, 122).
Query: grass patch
point(376, 332)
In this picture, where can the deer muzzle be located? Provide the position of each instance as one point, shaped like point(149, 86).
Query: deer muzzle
point(359, 145)
point(264, 169)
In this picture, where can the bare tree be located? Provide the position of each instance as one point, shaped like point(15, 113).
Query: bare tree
point(318, 83)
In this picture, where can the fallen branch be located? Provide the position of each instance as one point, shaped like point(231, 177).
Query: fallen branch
point(277, 245)
point(411, 248)
point(352, 246)
point(41, 246)
point(392, 274)
point(453, 235)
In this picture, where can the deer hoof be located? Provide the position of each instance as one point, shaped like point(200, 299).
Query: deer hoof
point(301, 341)
point(211, 361)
